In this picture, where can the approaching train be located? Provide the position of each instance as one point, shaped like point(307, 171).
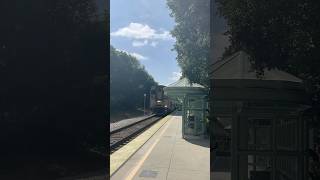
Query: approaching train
point(159, 103)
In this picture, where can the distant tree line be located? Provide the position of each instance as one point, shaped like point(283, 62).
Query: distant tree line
point(129, 81)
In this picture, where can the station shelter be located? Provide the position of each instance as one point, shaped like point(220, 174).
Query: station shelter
point(192, 98)
point(267, 122)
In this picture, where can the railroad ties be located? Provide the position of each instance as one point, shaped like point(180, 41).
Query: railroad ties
point(123, 135)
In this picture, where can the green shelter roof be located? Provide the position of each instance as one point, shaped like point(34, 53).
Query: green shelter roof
point(234, 79)
point(183, 87)
point(184, 82)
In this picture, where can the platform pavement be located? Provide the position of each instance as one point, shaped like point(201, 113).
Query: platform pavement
point(167, 156)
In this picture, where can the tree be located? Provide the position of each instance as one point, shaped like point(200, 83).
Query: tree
point(277, 34)
point(192, 33)
point(128, 82)
point(51, 61)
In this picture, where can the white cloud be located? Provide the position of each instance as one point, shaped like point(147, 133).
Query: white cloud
point(119, 49)
point(175, 76)
point(142, 31)
point(136, 55)
point(139, 43)
point(153, 43)
point(139, 56)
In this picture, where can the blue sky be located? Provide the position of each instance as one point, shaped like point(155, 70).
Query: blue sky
point(141, 28)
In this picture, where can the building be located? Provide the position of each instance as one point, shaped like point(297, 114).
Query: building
point(269, 124)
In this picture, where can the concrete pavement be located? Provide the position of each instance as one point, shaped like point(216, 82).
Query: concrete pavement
point(167, 156)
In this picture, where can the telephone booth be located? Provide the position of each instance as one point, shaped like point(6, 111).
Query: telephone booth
point(192, 98)
point(268, 125)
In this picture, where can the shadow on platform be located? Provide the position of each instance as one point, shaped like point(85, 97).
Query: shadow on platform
point(177, 113)
point(200, 142)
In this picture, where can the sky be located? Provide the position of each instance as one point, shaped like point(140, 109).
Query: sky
point(142, 29)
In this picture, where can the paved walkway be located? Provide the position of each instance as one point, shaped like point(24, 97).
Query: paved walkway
point(166, 156)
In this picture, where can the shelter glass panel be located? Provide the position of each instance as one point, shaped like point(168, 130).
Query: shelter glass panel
point(255, 167)
point(286, 133)
point(194, 115)
point(259, 134)
point(286, 168)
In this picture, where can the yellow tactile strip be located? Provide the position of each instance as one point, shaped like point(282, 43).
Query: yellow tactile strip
point(124, 153)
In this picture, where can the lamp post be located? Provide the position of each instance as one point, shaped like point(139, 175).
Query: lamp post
point(144, 104)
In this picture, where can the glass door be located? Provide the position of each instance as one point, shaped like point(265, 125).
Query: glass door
point(194, 115)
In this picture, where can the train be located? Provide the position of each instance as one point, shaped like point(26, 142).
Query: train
point(160, 104)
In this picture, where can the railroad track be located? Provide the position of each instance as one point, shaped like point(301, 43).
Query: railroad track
point(123, 135)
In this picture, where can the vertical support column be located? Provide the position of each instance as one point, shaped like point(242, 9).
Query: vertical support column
point(236, 109)
point(243, 131)
point(184, 116)
point(299, 147)
point(234, 162)
point(302, 160)
point(203, 131)
point(211, 126)
point(274, 144)
point(242, 144)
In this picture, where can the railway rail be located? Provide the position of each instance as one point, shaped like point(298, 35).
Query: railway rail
point(124, 134)
point(127, 122)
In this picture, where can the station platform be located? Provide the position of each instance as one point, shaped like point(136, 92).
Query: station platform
point(165, 155)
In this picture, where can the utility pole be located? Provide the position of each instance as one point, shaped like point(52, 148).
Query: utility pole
point(144, 104)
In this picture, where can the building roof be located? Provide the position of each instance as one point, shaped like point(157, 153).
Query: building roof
point(184, 82)
point(183, 87)
point(238, 66)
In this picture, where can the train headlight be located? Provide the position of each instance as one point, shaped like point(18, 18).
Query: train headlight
point(158, 101)
point(165, 106)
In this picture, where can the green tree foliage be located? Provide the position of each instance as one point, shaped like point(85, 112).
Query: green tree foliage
point(277, 34)
point(52, 75)
point(128, 82)
point(192, 33)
